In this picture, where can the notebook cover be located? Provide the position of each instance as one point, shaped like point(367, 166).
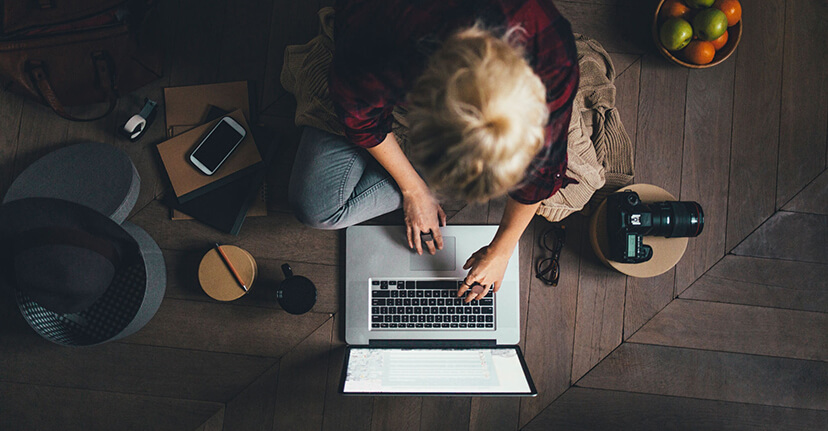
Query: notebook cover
point(187, 181)
point(225, 207)
point(186, 106)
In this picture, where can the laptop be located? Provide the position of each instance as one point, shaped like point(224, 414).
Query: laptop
point(408, 333)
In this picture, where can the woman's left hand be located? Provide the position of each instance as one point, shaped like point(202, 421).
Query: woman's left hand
point(487, 269)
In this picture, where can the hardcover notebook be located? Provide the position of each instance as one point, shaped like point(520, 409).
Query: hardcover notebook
point(187, 182)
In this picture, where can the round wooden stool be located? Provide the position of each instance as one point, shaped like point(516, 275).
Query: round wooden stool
point(217, 280)
point(666, 251)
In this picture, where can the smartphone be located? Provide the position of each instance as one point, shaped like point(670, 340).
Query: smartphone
point(217, 145)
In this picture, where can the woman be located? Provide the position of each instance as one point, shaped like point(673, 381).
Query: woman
point(489, 86)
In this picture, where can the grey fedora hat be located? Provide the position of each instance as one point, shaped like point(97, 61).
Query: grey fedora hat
point(79, 277)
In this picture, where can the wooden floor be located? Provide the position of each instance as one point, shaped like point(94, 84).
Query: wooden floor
point(735, 337)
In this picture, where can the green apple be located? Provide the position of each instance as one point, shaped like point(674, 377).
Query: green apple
point(676, 33)
point(710, 24)
point(699, 4)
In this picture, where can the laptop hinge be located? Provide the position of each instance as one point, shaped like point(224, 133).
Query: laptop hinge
point(444, 344)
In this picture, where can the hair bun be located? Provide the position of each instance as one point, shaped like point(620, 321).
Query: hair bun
point(498, 126)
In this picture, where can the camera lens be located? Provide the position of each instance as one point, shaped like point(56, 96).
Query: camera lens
point(676, 219)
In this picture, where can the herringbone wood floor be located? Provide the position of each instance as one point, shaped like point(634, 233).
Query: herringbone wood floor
point(735, 337)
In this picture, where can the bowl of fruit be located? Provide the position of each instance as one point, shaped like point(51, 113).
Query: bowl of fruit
point(697, 33)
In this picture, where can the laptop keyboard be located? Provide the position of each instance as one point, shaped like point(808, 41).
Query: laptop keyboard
point(427, 305)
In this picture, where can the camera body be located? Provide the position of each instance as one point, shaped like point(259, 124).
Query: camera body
point(629, 220)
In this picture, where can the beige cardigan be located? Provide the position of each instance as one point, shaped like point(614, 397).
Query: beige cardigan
point(598, 148)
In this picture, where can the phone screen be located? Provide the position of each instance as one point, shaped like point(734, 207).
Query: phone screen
point(217, 146)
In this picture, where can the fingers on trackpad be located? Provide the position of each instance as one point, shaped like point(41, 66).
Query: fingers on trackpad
point(444, 260)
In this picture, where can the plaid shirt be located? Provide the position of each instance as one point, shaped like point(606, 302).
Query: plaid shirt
point(382, 46)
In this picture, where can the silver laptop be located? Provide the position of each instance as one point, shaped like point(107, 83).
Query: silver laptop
point(409, 334)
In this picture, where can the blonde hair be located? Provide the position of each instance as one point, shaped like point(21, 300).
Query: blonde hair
point(477, 116)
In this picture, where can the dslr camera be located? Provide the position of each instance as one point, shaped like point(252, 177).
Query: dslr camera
point(629, 220)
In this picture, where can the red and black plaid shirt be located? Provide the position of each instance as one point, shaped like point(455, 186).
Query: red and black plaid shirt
point(382, 46)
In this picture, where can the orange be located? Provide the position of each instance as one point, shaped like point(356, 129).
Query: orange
point(731, 8)
point(699, 52)
point(719, 42)
point(674, 9)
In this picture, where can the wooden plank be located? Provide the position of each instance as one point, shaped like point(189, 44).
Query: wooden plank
point(215, 423)
point(645, 297)
point(252, 409)
point(705, 164)
point(276, 236)
point(126, 368)
point(353, 412)
point(813, 198)
point(32, 407)
point(195, 53)
point(710, 288)
point(601, 22)
point(790, 236)
point(626, 98)
point(300, 395)
point(767, 282)
point(291, 23)
point(599, 318)
point(622, 62)
point(244, 44)
point(755, 120)
point(11, 111)
point(660, 135)
point(802, 135)
point(738, 328)
point(550, 332)
point(182, 267)
point(713, 375)
point(591, 409)
point(494, 414)
point(226, 328)
point(41, 132)
point(396, 413)
point(444, 413)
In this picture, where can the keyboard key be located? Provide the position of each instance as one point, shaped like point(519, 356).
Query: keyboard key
point(476, 310)
point(438, 318)
point(437, 284)
point(387, 319)
point(383, 285)
point(375, 325)
point(447, 294)
point(425, 310)
point(376, 319)
point(400, 284)
point(383, 325)
point(380, 301)
point(384, 310)
point(409, 284)
point(445, 325)
point(419, 325)
point(442, 310)
point(409, 310)
point(375, 310)
point(434, 310)
point(450, 310)
point(489, 325)
point(464, 325)
point(432, 301)
point(418, 310)
point(454, 325)
point(405, 318)
point(380, 294)
point(420, 294)
point(392, 310)
point(400, 310)
point(489, 318)
point(455, 318)
point(397, 318)
point(467, 310)
point(421, 319)
point(464, 318)
point(395, 294)
point(486, 301)
point(428, 325)
point(429, 318)
point(427, 294)
point(375, 282)
point(472, 318)
point(406, 301)
point(441, 301)
point(415, 302)
point(488, 310)
point(410, 325)
point(403, 293)
point(392, 325)
point(392, 283)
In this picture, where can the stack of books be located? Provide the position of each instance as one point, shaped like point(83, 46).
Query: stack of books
point(236, 189)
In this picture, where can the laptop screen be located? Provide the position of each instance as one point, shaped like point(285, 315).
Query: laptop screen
point(438, 371)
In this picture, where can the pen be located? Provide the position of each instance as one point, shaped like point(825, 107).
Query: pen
point(231, 267)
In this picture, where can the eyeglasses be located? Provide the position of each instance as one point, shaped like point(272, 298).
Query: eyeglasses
point(548, 270)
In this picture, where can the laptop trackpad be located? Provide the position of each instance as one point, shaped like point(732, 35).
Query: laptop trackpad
point(444, 260)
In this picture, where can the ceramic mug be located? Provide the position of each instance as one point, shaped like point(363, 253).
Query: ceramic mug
point(296, 294)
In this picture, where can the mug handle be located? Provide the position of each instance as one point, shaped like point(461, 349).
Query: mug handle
point(287, 271)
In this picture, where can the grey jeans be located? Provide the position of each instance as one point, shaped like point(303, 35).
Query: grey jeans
point(336, 184)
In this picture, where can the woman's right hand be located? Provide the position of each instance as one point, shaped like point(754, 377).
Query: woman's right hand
point(423, 214)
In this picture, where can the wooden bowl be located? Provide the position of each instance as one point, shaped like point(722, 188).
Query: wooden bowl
point(733, 38)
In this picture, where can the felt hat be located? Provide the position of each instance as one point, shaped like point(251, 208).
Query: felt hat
point(79, 277)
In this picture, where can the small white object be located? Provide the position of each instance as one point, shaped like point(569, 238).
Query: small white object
point(134, 126)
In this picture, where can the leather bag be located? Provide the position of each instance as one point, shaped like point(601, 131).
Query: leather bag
point(68, 53)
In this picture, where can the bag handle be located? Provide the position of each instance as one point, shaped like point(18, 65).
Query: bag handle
point(106, 80)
